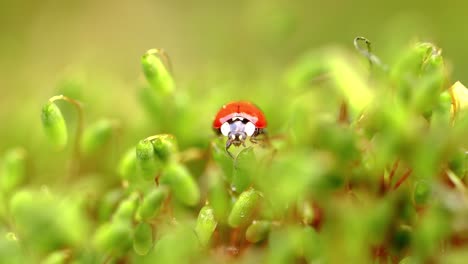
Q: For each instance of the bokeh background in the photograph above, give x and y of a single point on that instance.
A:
(222, 51)
(210, 44)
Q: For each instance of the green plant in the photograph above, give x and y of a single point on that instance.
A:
(366, 164)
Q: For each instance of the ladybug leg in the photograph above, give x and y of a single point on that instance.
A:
(228, 144)
(253, 140)
(260, 137)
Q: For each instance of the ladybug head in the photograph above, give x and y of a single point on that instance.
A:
(237, 129)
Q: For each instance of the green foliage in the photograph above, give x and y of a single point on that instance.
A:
(59, 257)
(44, 220)
(361, 164)
(10, 249)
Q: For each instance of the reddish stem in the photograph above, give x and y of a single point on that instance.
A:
(392, 172)
(343, 115)
(403, 178)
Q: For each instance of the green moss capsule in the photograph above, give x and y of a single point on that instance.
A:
(409, 65)
(419, 76)
(441, 113)
(126, 209)
(165, 147)
(156, 73)
(12, 169)
(152, 203)
(147, 164)
(432, 78)
(243, 208)
(206, 225)
(96, 135)
(127, 165)
(108, 203)
(181, 183)
(54, 125)
(115, 237)
(143, 239)
(257, 231)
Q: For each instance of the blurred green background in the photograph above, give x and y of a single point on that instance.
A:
(91, 51)
(44, 42)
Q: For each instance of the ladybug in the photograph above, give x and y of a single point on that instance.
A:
(239, 120)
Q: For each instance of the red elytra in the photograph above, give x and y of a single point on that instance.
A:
(243, 109)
